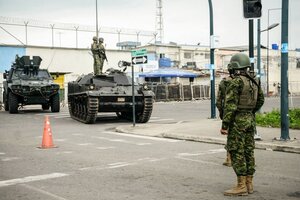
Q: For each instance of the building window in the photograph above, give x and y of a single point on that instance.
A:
(207, 56)
(187, 55)
(298, 63)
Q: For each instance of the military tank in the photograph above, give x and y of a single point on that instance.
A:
(26, 84)
(108, 92)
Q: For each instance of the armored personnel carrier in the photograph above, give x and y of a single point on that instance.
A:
(26, 84)
(109, 92)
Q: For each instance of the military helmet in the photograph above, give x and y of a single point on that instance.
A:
(239, 61)
(101, 39)
(95, 38)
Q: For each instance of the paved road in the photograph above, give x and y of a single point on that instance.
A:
(187, 111)
(93, 162)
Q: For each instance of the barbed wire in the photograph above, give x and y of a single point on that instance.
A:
(71, 26)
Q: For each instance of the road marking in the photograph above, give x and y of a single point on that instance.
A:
(155, 117)
(159, 120)
(117, 163)
(143, 137)
(213, 151)
(198, 161)
(157, 159)
(104, 148)
(43, 192)
(60, 140)
(122, 165)
(113, 140)
(143, 144)
(2, 153)
(85, 144)
(60, 117)
(10, 159)
(118, 140)
(31, 179)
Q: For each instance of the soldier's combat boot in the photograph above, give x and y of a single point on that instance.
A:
(249, 184)
(227, 160)
(240, 189)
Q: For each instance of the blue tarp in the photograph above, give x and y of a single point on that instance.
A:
(168, 73)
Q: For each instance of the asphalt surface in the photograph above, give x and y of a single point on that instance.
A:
(95, 162)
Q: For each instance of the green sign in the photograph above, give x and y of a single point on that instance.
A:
(140, 52)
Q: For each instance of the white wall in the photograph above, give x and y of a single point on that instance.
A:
(76, 61)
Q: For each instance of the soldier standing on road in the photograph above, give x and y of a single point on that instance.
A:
(244, 97)
(102, 54)
(220, 105)
(95, 51)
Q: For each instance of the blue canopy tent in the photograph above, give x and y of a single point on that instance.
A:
(164, 73)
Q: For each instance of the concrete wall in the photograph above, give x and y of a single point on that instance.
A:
(75, 61)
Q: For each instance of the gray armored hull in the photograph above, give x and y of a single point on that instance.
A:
(27, 84)
(90, 94)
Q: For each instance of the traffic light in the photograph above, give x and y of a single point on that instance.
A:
(252, 8)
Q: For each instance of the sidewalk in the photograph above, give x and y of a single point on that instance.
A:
(208, 131)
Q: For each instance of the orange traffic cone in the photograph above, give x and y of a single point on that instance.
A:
(47, 135)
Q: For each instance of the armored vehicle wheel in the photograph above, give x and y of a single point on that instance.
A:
(45, 106)
(145, 115)
(6, 108)
(13, 103)
(55, 106)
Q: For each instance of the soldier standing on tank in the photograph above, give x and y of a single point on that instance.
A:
(95, 51)
(102, 54)
(220, 105)
(244, 97)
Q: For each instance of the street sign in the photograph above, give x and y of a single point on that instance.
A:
(140, 52)
(139, 60)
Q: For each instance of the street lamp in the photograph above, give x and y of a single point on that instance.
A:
(269, 28)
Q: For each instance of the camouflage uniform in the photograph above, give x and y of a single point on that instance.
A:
(220, 105)
(95, 51)
(221, 95)
(102, 55)
(244, 97)
(241, 125)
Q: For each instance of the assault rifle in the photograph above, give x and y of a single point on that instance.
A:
(102, 52)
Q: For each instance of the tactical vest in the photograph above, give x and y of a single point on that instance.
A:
(248, 97)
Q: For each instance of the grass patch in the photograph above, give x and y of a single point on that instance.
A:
(272, 119)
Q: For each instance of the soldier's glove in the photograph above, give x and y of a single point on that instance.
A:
(224, 132)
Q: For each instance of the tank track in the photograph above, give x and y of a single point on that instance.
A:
(145, 115)
(83, 108)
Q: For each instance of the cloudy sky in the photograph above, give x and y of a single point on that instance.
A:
(185, 21)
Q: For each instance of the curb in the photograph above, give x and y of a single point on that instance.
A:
(212, 140)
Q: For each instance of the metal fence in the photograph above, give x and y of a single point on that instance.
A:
(42, 33)
(180, 92)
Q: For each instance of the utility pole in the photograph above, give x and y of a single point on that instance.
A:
(251, 48)
(284, 101)
(97, 18)
(212, 64)
(258, 50)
